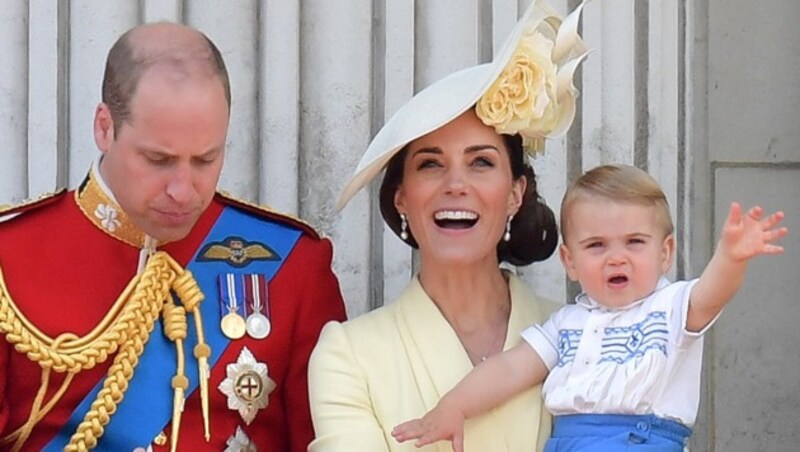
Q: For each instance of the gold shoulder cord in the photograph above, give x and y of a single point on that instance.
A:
(125, 328)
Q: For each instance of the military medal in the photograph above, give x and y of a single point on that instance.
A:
(258, 324)
(232, 324)
(239, 442)
(247, 385)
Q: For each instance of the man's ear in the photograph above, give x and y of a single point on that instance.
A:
(566, 261)
(103, 127)
(667, 252)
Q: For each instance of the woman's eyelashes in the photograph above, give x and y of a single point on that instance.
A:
(476, 162)
(483, 161)
(428, 163)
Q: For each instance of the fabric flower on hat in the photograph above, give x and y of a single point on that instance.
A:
(534, 95)
(526, 88)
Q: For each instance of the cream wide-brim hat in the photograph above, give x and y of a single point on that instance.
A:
(446, 99)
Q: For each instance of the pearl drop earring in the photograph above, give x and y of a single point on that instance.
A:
(403, 227)
(507, 235)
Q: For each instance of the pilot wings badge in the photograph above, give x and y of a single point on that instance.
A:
(237, 251)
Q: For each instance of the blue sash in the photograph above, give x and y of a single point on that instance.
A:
(147, 406)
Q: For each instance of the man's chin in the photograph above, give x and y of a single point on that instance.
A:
(170, 234)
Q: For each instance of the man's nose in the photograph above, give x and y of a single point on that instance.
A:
(180, 187)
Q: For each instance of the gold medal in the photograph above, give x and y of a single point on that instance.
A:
(233, 325)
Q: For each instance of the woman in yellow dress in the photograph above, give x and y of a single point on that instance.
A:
(459, 187)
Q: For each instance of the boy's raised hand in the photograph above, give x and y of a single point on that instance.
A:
(440, 423)
(748, 235)
(743, 236)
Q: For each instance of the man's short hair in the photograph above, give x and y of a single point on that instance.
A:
(127, 62)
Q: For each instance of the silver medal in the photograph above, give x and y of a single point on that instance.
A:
(258, 326)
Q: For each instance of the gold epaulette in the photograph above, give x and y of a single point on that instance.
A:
(266, 211)
(44, 199)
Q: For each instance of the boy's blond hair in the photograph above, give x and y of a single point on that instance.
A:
(618, 183)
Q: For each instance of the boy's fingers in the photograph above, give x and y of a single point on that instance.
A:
(735, 213)
(756, 213)
(776, 234)
(773, 219)
(773, 249)
(425, 439)
(458, 441)
(407, 430)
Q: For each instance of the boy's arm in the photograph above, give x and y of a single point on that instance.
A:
(491, 383)
(743, 237)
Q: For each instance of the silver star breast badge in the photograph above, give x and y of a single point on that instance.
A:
(247, 386)
(239, 442)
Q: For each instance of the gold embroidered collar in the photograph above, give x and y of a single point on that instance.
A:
(99, 205)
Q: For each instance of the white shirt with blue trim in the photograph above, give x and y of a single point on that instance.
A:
(639, 359)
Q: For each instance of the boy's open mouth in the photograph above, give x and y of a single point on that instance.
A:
(618, 279)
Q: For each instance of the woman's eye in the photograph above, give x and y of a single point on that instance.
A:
(483, 161)
(427, 164)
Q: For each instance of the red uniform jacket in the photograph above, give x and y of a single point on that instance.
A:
(64, 272)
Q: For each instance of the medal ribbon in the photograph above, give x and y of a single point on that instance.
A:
(231, 291)
(256, 293)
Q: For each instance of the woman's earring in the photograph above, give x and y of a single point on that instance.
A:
(507, 235)
(403, 227)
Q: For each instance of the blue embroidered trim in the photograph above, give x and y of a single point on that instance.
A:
(568, 341)
(622, 344)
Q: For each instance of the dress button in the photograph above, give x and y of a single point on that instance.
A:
(641, 426)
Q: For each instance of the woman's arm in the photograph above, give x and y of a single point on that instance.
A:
(491, 383)
(341, 407)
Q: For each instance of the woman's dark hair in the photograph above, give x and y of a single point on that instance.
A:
(533, 230)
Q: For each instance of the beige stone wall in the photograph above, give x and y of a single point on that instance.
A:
(703, 93)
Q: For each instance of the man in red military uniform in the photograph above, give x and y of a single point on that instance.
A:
(145, 310)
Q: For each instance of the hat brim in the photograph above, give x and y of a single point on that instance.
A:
(437, 105)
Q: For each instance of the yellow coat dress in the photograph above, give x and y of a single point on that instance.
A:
(394, 363)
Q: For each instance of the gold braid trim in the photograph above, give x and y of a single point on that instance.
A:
(126, 328)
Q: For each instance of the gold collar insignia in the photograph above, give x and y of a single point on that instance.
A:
(99, 206)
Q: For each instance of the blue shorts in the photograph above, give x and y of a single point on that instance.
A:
(616, 432)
